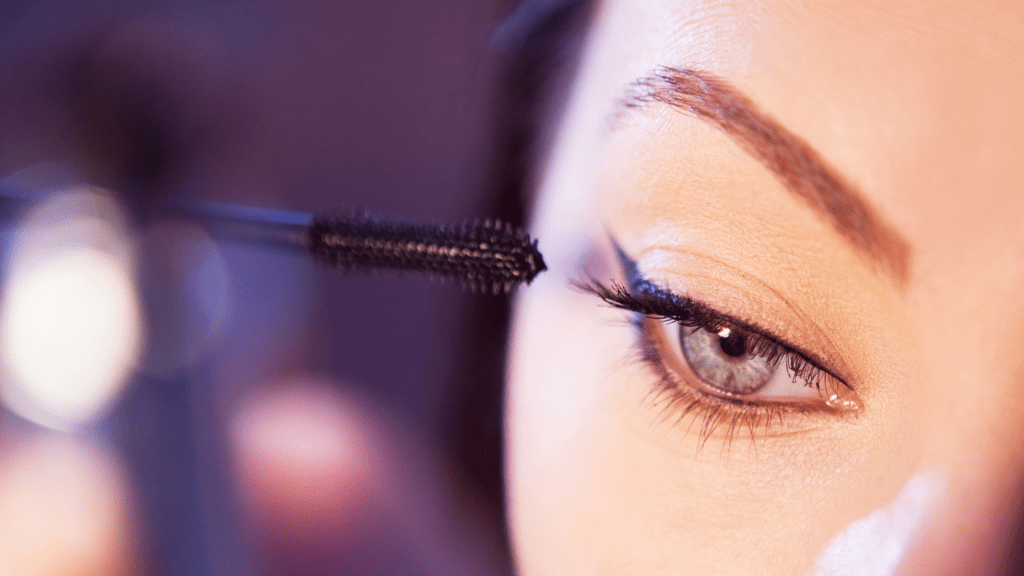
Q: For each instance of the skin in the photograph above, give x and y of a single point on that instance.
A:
(916, 104)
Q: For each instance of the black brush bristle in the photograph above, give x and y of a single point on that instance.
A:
(488, 256)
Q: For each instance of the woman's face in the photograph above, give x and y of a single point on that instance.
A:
(825, 199)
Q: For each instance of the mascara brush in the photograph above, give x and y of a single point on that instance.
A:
(486, 256)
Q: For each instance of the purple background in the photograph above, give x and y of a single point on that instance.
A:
(295, 105)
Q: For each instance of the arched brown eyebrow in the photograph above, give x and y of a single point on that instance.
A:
(798, 166)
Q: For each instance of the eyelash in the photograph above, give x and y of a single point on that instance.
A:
(677, 398)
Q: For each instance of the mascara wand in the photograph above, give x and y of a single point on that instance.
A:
(489, 256)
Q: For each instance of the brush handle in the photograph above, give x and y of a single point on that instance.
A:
(278, 229)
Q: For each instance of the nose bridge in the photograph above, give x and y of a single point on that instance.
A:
(965, 419)
(1013, 561)
(991, 490)
(973, 437)
(969, 531)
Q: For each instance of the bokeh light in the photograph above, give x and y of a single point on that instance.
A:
(190, 297)
(70, 325)
(64, 509)
(306, 455)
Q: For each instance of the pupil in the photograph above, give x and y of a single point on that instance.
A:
(732, 342)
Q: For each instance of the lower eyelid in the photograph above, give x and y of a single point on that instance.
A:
(673, 365)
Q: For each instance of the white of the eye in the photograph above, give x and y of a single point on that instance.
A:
(784, 384)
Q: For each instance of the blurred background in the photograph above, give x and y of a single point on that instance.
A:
(177, 404)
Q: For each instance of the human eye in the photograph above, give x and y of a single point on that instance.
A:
(728, 371)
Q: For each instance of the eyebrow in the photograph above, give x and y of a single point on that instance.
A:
(798, 166)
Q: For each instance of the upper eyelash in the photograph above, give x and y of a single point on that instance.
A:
(736, 414)
(652, 301)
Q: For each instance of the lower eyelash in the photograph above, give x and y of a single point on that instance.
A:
(678, 400)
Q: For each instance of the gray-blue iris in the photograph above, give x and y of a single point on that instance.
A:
(723, 361)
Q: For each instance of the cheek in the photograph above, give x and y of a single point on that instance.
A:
(601, 484)
(596, 485)
(877, 543)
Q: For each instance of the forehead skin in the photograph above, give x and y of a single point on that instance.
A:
(918, 104)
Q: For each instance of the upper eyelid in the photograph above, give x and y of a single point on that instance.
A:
(633, 276)
(637, 282)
